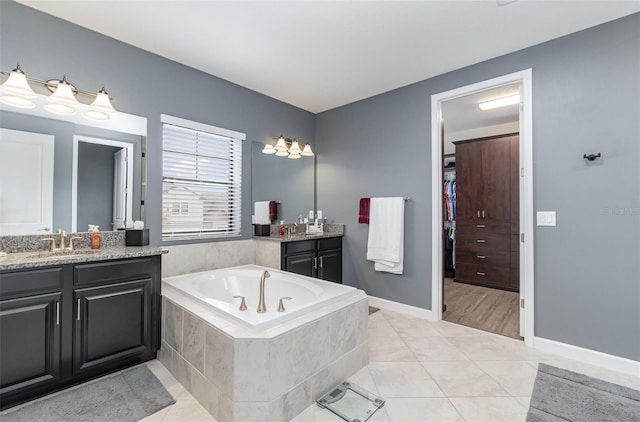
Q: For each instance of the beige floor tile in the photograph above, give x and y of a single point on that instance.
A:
(422, 410)
(490, 409)
(188, 409)
(416, 327)
(380, 327)
(403, 379)
(515, 377)
(389, 349)
(449, 329)
(525, 401)
(363, 379)
(463, 379)
(434, 349)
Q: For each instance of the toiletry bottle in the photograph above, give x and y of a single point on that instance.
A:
(95, 237)
(281, 228)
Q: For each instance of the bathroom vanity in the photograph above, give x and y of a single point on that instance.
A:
(69, 318)
(312, 255)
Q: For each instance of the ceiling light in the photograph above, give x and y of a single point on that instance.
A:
(63, 99)
(500, 102)
(294, 156)
(286, 147)
(16, 90)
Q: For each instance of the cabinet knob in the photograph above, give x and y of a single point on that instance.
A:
(480, 226)
(481, 241)
(481, 257)
(479, 273)
(315, 263)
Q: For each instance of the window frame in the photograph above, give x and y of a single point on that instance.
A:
(233, 228)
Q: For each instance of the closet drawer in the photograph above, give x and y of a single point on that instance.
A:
(481, 241)
(490, 258)
(486, 275)
(482, 226)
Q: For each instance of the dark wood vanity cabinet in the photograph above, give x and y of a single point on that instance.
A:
(75, 322)
(318, 258)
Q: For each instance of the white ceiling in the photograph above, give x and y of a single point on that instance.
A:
(319, 55)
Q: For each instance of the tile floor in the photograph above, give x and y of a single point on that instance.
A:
(427, 371)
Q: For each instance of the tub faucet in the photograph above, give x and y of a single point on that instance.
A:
(262, 308)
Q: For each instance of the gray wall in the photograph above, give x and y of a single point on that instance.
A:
(95, 185)
(586, 94)
(147, 85)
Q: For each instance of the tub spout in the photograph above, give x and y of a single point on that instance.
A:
(262, 308)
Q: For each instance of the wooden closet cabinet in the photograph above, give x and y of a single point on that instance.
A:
(487, 211)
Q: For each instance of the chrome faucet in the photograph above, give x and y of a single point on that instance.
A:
(262, 308)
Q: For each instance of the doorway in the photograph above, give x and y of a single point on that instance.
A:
(102, 178)
(524, 161)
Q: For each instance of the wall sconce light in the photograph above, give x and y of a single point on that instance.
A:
(288, 148)
(16, 91)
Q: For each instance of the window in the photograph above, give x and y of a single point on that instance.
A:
(201, 180)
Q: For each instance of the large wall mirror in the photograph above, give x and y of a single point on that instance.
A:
(66, 172)
(290, 182)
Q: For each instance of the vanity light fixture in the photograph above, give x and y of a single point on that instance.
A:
(16, 91)
(63, 99)
(500, 102)
(288, 148)
(100, 107)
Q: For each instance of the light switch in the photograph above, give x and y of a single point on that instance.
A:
(546, 218)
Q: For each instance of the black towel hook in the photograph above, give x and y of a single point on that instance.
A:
(591, 157)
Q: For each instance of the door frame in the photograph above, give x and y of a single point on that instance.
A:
(74, 174)
(523, 77)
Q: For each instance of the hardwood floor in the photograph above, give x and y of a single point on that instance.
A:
(484, 308)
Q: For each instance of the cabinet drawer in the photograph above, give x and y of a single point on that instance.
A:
(482, 242)
(481, 226)
(24, 282)
(487, 275)
(127, 269)
(485, 258)
(299, 246)
(330, 243)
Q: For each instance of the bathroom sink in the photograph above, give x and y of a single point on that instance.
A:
(64, 254)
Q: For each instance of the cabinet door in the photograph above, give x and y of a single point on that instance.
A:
(496, 179)
(29, 342)
(111, 323)
(303, 264)
(468, 172)
(330, 265)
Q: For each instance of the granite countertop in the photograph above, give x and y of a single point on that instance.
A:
(297, 237)
(32, 259)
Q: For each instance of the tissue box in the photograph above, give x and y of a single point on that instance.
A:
(261, 229)
(133, 237)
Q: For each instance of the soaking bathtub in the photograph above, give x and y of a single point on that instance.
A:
(244, 366)
(217, 288)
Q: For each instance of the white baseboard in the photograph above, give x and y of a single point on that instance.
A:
(401, 308)
(588, 356)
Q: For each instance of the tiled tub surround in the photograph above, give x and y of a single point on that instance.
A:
(240, 374)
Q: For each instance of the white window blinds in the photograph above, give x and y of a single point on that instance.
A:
(201, 180)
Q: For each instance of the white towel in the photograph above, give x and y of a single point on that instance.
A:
(386, 234)
(261, 209)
